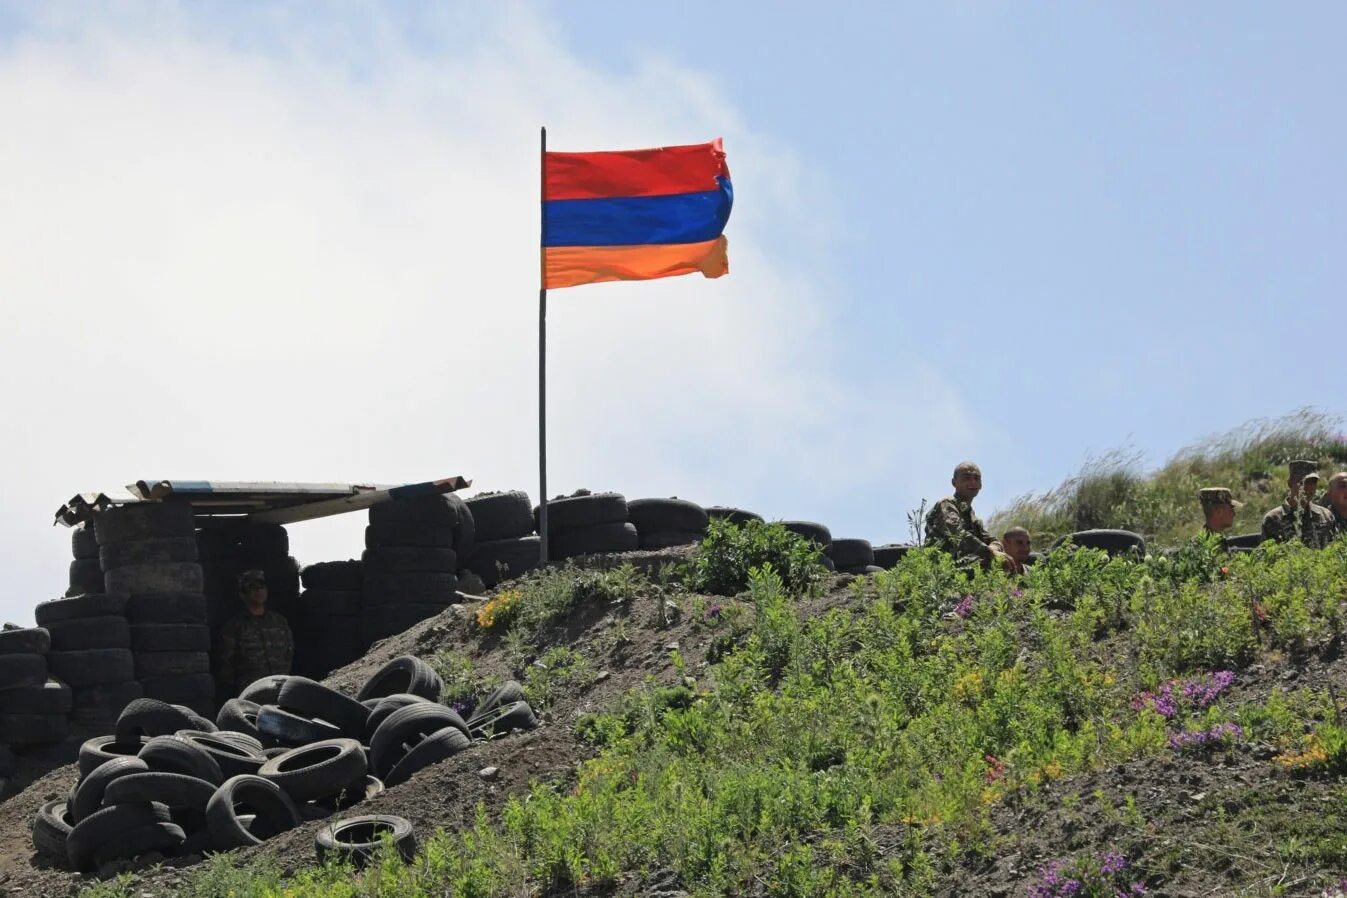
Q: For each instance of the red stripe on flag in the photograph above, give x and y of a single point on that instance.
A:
(656, 172)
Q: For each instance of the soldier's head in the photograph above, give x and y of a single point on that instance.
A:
(1017, 543)
(967, 480)
(1337, 492)
(1303, 480)
(253, 591)
(1219, 507)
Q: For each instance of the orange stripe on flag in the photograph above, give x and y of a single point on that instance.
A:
(570, 266)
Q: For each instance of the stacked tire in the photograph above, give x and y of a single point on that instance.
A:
(90, 657)
(506, 546)
(411, 559)
(34, 708)
(663, 523)
(888, 555)
(148, 552)
(86, 574)
(853, 556)
(816, 533)
(328, 630)
(586, 523)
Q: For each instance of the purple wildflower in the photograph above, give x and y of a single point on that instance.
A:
(965, 606)
(1112, 862)
(713, 611)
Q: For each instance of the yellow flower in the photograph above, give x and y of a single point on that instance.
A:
(968, 686)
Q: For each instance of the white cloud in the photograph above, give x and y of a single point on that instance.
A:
(321, 264)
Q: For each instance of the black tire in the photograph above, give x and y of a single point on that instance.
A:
(170, 638)
(244, 739)
(402, 559)
(656, 515)
(816, 533)
(143, 521)
(597, 539)
(314, 700)
(86, 575)
(34, 729)
(108, 632)
(583, 510)
(888, 556)
(101, 749)
(385, 706)
(504, 719)
(171, 664)
(167, 608)
(52, 697)
(323, 604)
(88, 794)
(734, 515)
(83, 543)
(273, 812)
(1244, 541)
(25, 641)
(847, 553)
(506, 693)
(292, 730)
(404, 729)
(151, 551)
(51, 828)
(92, 667)
(665, 539)
(465, 531)
(174, 791)
(430, 511)
(260, 540)
(500, 516)
(419, 588)
(379, 535)
(503, 559)
(165, 838)
(197, 691)
(151, 717)
(135, 579)
(91, 604)
(175, 754)
(234, 757)
(22, 670)
(333, 575)
(239, 715)
(356, 840)
(266, 690)
(319, 770)
(1114, 542)
(434, 748)
(403, 674)
(100, 828)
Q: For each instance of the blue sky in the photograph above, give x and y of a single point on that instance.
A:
(1018, 234)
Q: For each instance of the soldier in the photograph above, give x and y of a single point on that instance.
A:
(1298, 517)
(1018, 545)
(1336, 501)
(255, 644)
(952, 524)
(1219, 507)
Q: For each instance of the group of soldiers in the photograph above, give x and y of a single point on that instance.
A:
(1304, 516)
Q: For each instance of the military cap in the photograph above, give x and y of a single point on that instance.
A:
(252, 578)
(1304, 469)
(1218, 495)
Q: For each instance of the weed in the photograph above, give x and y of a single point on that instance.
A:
(722, 562)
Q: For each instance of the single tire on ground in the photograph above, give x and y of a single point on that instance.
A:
(272, 811)
(405, 673)
(500, 516)
(142, 521)
(151, 551)
(357, 839)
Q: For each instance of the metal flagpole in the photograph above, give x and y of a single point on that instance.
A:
(542, 355)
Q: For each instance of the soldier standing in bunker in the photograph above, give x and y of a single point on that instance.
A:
(256, 643)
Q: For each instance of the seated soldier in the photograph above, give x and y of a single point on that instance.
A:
(1218, 507)
(952, 524)
(1018, 545)
(1298, 517)
(1335, 499)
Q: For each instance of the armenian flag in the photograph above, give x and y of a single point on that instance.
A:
(633, 215)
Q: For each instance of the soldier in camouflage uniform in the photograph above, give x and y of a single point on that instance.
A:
(952, 524)
(1298, 517)
(1335, 500)
(255, 644)
(1218, 507)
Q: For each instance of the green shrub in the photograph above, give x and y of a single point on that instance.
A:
(721, 564)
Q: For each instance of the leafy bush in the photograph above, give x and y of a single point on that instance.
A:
(721, 564)
(545, 598)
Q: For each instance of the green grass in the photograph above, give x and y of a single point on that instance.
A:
(1115, 491)
(865, 751)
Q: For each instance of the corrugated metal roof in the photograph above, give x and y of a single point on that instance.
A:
(273, 501)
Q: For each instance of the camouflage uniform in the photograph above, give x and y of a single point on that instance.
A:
(1337, 527)
(952, 525)
(252, 647)
(1312, 524)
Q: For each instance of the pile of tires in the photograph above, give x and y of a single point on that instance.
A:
(289, 749)
(90, 656)
(506, 546)
(662, 523)
(148, 553)
(34, 708)
(230, 546)
(586, 523)
(410, 561)
(327, 627)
